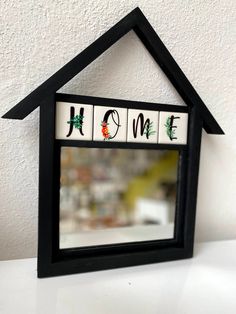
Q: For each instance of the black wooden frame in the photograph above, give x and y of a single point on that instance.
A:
(53, 261)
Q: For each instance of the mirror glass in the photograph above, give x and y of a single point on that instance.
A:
(112, 196)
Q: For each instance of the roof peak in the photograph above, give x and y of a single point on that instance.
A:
(136, 21)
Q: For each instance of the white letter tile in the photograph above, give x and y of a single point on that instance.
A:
(173, 128)
(109, 124)
(142, 126)
(74, 121)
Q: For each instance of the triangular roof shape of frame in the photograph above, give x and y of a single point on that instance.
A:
(137, 22)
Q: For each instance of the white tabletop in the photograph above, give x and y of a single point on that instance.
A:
(204, 284)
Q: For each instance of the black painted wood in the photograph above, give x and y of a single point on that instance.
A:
(120, 103)
(48, 221)
(136, 21)
(69, 265)
(127, 145)
(194, 148)
(53, 261)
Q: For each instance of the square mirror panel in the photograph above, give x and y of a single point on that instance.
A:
(110, 196)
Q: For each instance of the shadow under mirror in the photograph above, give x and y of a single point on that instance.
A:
(112, 196)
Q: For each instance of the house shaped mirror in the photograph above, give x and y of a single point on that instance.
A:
(117, 178)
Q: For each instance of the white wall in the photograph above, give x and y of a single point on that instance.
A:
(39, 37)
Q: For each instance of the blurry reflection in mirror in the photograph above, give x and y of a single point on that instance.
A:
(116, 195)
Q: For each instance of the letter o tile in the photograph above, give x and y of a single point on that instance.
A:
(110, 124)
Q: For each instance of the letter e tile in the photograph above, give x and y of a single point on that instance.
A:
(173, 128)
